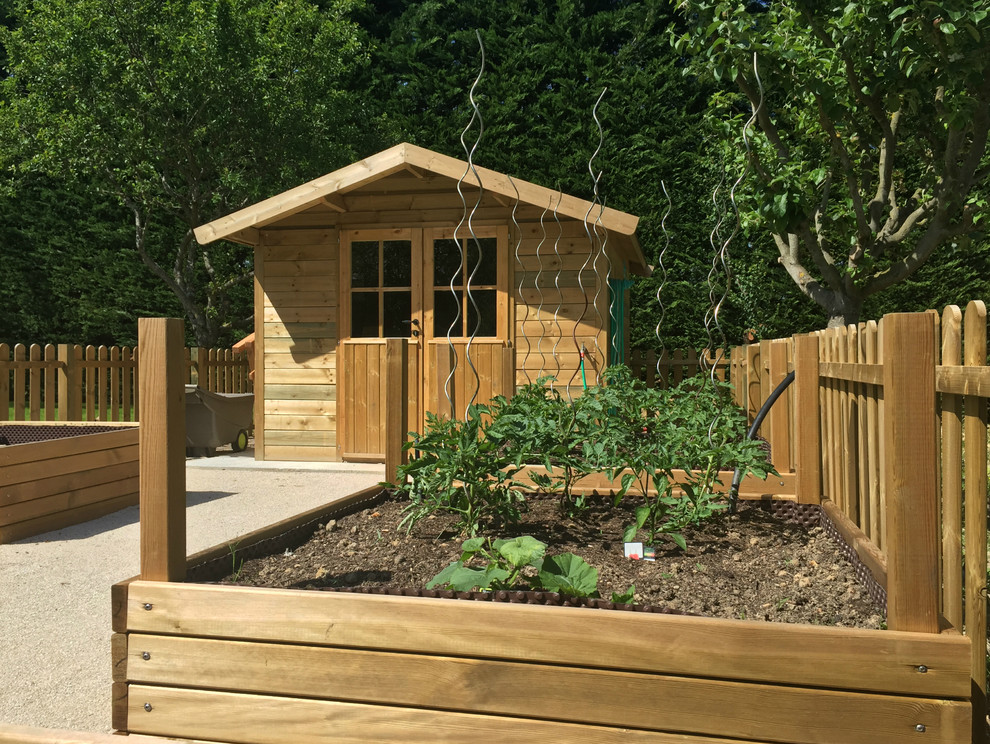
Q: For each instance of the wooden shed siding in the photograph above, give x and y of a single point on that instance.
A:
(303, 311)
(557, 315)
(299, 313)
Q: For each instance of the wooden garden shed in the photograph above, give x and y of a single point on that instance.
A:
(380, 249)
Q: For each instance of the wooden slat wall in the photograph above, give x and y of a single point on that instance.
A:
(299, 280)
(491, 360)
(554, 316)
(256, 665)
(48, 485)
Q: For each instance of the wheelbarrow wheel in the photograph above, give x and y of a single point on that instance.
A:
(241, 443)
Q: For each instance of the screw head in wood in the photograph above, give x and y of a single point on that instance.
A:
(923, 669)
(145, 655)
(147, 707)
(147, 605)
(920, 728)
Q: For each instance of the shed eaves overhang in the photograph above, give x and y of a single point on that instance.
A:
(242, 226)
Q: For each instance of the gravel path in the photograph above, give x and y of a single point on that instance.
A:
(55, 588)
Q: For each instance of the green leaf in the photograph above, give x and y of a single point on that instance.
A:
(521, 551)
(625, 597)
(679, 540)
(569, 574)
(472, 545)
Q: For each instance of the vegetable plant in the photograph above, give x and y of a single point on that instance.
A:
(690, 434)
(461, 470)
(504, 564)
(537, 426)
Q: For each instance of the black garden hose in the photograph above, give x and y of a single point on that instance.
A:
(751, 434)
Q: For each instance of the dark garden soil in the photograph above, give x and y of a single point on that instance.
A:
(751, 565)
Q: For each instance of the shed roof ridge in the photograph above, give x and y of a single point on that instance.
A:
(387, 162)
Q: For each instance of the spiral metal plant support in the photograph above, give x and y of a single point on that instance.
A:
(522, 277)
(663, 277)
(724, 250)
(560, 296)
(602, 235)
(539, 286)
(723, 254)
(715, 241)
(593, 243)
(468, 218)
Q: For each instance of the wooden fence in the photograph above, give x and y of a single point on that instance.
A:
(915, 382)
(668, 368)
(69, 382)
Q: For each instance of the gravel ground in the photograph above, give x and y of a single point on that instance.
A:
(55, 588)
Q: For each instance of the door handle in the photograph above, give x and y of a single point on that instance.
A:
(414, 324)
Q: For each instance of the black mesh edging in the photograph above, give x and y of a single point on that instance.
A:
(21, 434)
(803, 515)
(811, 515)
(512, 597)
(877, 593)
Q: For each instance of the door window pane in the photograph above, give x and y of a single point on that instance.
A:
(398, 307)
(446, 262)
(445, 307)
(397, 264)
(487, 269)
(364, 263)
(485, 300)
(364, 314)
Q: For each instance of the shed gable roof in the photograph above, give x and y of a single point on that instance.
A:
(241, 225)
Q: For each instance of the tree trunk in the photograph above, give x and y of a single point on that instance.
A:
(843, 310)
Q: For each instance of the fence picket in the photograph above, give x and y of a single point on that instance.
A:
(4, 382)
(951, 425)
(975, 458)
(34, 382)
(18, 393)
(48, 372)
(127, 385)
(872, 462)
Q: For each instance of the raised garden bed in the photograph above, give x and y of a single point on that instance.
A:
(53, 475)
(234, 663)
(256, 665)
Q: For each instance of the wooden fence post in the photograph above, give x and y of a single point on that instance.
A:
(162, 449)
(396, 404)
(910, 473)
(69, 384)
(807, 414)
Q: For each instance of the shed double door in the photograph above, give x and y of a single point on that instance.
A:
(413, 283)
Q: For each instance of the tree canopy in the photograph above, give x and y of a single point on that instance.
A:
(869, 150)
(184, 111)
(125, 124)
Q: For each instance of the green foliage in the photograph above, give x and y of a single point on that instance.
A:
(868, 156)
(692, 429)
(545, 66)
(460, 469)
(538, 426)
(184, 112)
(641, 435)
(504, 563)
